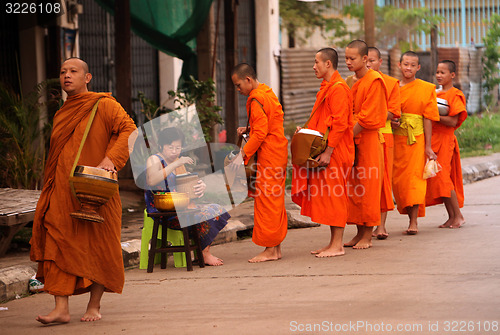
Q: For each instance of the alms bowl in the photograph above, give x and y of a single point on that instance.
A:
(93, 187)
(171, 201)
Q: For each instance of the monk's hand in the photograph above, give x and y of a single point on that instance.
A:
(324, 158)
(395, 123)
(199, 189)
(430, 153)
(237, 162)
(297, 130)
(241, 130)
(107, 165)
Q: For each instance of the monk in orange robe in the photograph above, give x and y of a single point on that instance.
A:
(370, 113)
(77, 256)
(412, 141)
(447, 186)
(268, 141)
(322, 192)
(374, 62)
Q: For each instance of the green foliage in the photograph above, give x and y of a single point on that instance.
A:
(479, 135)
(149, 108)
(491, 60)
(22, 138)
(394, 26)
(297, 15)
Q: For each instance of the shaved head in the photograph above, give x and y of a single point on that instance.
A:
(375, 50)
(450, 64)
(244, 70)
(331, 55)
(360, 45)
(85, 66)
(409, 54)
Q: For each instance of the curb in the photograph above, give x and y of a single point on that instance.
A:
(14, 281)
(476, 172)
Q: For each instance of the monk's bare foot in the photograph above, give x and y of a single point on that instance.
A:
(92, 314)
(279, 251)
(457, 223)
(54, 317)
(315, 252)
(380, 233)
(362, 244)
(353, 242)
(331, 252)
(447, 224)
(269, 254)
(211, 259)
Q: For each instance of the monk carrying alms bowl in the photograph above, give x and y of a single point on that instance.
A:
(93, 187)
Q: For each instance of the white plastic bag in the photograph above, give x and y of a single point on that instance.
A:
(431, 169)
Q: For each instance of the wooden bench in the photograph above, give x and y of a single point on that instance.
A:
(17, 209)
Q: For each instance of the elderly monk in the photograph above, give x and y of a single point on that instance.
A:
(412, 140)
(447, 186)
(374, 62)
(76, 256)
(370, 113)
(268, 141)
(322, 192)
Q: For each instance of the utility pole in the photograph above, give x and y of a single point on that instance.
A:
(369, 8)
(434, 53)
(122, 54)
(231, 39)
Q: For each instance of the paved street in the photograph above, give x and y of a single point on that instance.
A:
(432, 283)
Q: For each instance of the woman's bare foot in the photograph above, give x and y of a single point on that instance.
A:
(211, 259)
(92, 314)
(331, 252)
(54, 317)
(269, 254)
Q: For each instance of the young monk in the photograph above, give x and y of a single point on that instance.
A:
(412, 140)
(321, 192)
(370, 113)
(374, 62)
(75, 256)
(267, 139)
(447, 185)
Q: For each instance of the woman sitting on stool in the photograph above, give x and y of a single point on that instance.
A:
(161, 171)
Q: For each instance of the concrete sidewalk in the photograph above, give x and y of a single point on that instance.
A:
(438, 275)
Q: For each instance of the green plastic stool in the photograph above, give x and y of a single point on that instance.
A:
(173, 236)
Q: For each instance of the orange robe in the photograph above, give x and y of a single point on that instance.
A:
(445, 145)
(419, 98)
(365, 179)
(322, 192)
(267, 139)
(71, 254)
(393, 106)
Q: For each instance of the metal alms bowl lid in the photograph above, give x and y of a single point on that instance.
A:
(95, 173)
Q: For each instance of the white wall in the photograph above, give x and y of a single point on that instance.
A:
(267, 42)
(170, 69)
